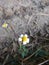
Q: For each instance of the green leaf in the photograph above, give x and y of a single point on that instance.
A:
(23, 54)
(23, 51)
(0, 63)
(41, 53)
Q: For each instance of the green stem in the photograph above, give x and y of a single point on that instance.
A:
(20, 45)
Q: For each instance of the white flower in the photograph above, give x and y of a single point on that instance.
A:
(24, 39)
(20, 39)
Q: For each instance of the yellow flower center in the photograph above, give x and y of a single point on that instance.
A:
(5, 25)
(24, 38)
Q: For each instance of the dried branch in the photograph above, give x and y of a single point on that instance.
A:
(44, 62)
(6, 59)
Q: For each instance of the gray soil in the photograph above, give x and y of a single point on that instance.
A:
(24, 15)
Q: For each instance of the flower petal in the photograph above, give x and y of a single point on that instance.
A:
(28, 40)
(21, 35)
(26, 35)
(20, 39)
(24, 43)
